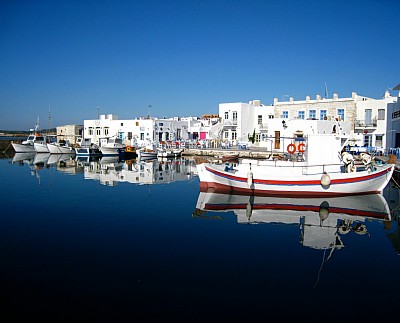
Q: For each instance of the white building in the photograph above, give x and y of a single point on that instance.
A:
(370, 126)
(393, 122)
(142, 131)
(367, 116)
(240, 121)
(135, 131)
(69, 133)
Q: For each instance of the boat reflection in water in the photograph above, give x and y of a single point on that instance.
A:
(110, 170)
(322, 221)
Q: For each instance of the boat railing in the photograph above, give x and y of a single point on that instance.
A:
(306, 168)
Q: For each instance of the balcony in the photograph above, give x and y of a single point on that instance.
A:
(263, 127)
(365, 124)
(229, 123)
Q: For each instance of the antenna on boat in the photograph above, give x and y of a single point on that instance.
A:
(37, 124)
(49, 118)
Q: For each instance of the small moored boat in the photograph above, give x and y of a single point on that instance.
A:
(60, 147)
(322, 170)
(87, 148)
(111, 146)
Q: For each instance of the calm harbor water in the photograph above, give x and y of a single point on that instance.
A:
(102, 239)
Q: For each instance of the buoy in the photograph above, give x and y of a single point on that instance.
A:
(325, 180)
(291, 148)
(250, 177)
(324, 210)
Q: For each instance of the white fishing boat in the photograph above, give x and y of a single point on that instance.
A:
(165, 153)
(111, 146)
(322, 170)
(60, 147)
(86, 148)
(147, 152)
(28, 145)
(169, 152)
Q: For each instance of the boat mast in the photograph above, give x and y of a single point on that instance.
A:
(37, 125)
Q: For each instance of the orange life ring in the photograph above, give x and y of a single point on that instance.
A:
(291, 148)
(302, 148)
(128, 148)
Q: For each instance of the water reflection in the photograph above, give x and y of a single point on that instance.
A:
(322, 221)
(111, 170)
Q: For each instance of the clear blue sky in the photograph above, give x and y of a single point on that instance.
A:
(185, 57)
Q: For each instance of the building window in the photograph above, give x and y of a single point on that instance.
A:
(129, 135)
(137, 123)
(106, 131)
(90, 131)
(368, 117)
(322, 115)
(312, 114)
(378, 141)
(367, 140)
(226, 116)
(226, 134)
(301, 114)
(234, 113)
(258, 137)
(161, 124)
(285, 114)
(340, 113)
(122, 124)
(381, 114)
(260, 119)
(271, 116)
(142, 136)
(234, 135)
(98, 131)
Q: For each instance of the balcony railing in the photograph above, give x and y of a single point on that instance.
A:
(227, 122)
(263, 126)
(366, 123)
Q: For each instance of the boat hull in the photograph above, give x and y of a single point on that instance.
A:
(292, 181)
(110, 151)
(147, 154)
(41, 147)
(87, 151)
(57, 149)
(23, 148)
